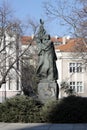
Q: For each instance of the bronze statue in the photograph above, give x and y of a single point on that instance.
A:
(46, 69)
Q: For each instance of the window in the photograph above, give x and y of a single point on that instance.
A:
(75, 67)
(77, 86)
(72, 85)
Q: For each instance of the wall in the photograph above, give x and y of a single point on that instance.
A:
(63, 60)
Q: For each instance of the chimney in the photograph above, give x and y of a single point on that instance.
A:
(64, 40)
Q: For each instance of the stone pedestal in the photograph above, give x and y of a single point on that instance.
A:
(48, 91)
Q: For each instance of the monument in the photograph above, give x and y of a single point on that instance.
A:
(46, 70)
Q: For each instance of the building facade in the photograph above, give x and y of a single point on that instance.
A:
(72, 66)
(10, 66)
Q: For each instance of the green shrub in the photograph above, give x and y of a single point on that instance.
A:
(71, 109)
(20, 109)
(46, 111)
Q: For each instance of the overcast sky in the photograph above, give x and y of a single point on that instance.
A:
(34, 10)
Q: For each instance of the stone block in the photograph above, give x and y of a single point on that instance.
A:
(47, 91)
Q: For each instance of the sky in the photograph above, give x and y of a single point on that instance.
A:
(34, 9)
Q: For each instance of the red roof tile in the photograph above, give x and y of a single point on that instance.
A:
(73, 45)
(28, 39)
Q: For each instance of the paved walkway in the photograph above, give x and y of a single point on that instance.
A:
(41, 126)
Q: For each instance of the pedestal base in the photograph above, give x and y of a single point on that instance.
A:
(48, 91)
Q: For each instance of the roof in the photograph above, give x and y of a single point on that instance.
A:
(73, 45)
(28, 39)
(25, 40)
(67, 45)
(54, 39)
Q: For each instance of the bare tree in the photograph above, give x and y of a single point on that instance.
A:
(70, 13)
(13, 63)
(74, 15)
(29, 59)
(33, 25)
(10, 31)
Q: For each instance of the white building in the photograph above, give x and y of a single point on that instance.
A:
(10, 51)
(72, 66)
